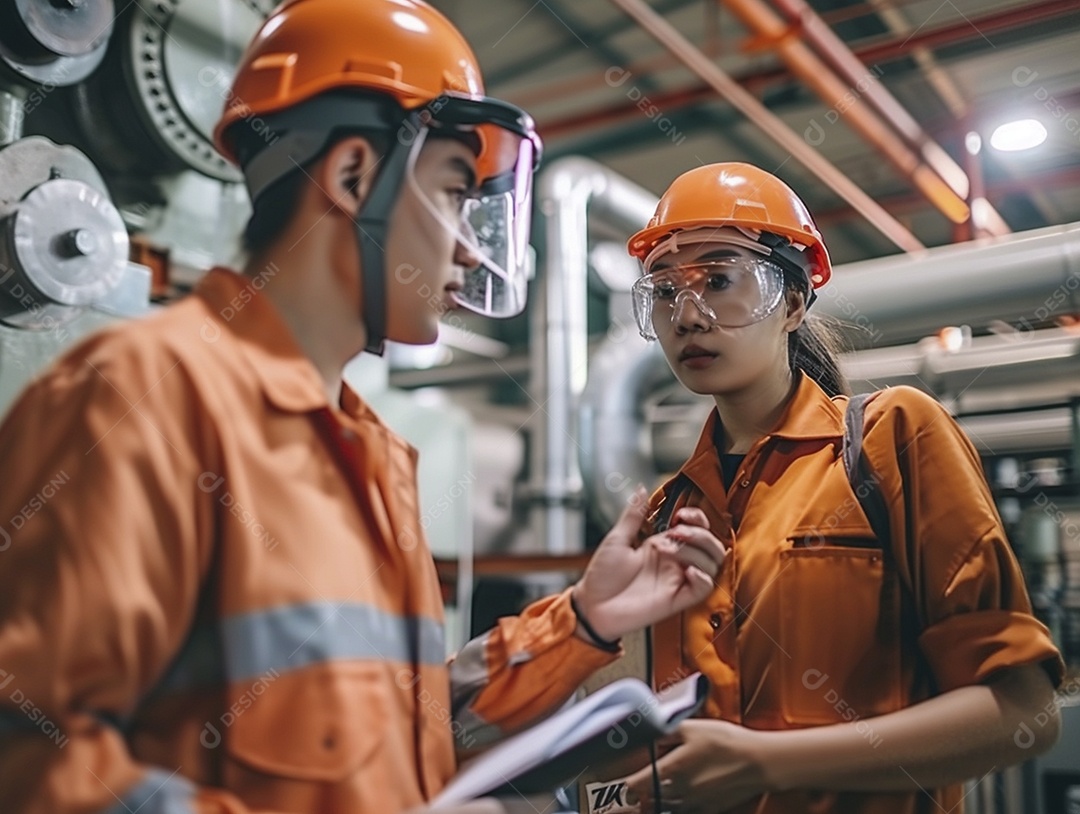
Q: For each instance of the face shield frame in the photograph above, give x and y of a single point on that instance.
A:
(496, 216)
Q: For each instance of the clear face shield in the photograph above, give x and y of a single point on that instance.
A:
(495, 215)
(730, 292)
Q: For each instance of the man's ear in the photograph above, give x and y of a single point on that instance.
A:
(796, 309)
(346, 173)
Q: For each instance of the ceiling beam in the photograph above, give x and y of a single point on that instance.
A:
(874, 54)
(528, 64)
(909, 203)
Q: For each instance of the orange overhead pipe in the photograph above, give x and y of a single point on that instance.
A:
(772, 125)
(837, 53)
(847, 102)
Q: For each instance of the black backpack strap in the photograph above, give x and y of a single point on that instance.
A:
(864, 483)
(662, 518)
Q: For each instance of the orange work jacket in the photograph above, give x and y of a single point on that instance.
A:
(215, 593)
(810, 624)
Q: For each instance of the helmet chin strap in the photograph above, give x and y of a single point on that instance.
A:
(372, 224)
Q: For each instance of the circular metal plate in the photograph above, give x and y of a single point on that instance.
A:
(69, 242)
(68, 28)
(184, 55)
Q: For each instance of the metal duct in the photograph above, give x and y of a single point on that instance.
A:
(570, 191)
(1035, 376)
(1026, 278)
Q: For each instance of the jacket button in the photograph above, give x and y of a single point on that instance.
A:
(744, 482)
(714, 621)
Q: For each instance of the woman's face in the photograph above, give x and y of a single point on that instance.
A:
(708, 358)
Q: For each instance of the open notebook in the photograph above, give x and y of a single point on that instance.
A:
(621, 716)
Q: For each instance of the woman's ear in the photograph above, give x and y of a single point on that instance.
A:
(346, 172)
(796, 309)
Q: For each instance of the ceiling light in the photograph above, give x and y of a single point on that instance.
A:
(1019, 135)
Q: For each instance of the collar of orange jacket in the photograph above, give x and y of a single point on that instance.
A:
(810, 414)
(289, 379)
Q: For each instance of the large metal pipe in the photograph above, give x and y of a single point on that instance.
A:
(770, 124)
(570, 191)
(1027, 278)
(987, 384)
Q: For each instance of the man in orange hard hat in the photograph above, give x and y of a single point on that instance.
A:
(214, 590)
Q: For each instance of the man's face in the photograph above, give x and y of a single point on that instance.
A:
(424, 260)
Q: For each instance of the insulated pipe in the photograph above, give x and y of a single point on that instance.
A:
(570, 190)
(1027, 278)
(770, 124)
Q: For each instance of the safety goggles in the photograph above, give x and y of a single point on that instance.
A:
(495, 217)
(729, 293)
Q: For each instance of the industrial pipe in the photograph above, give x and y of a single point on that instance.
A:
(770, 124)
(835, 51)
(1027, 277)
(570, 190)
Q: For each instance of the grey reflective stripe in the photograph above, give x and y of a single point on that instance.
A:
(295, 636)
(159, 792)
(469, 673)
(475, 731)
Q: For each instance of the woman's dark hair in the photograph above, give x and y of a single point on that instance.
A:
(814, 348)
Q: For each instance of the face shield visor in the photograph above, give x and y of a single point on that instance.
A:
(492, 219)
(730, 292)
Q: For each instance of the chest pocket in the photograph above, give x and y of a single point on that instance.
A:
(839, 628)
(316, 724)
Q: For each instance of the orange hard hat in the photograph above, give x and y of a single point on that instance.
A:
(739, 195)
(404, 49)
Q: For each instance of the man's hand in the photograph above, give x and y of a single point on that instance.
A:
(628, 586)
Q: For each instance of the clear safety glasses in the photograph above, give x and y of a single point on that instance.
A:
(495, 216)
(730, 293)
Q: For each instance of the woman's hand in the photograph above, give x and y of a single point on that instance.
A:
(629, 586)
(714, 766)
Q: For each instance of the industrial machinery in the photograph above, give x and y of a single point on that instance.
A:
(105, 143)
(64, 250)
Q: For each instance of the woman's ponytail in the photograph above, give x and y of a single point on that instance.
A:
(814, 348)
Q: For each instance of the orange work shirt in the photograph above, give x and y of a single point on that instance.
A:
(215, 592)
(809, 624)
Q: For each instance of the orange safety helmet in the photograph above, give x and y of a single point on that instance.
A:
(404, 49)
(739, 195)
(318, 67)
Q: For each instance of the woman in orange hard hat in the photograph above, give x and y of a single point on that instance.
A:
(215, 594)
(851, 671)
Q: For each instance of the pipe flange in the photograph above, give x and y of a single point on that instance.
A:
(172, 97)
(66, 247)
(55, 42)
